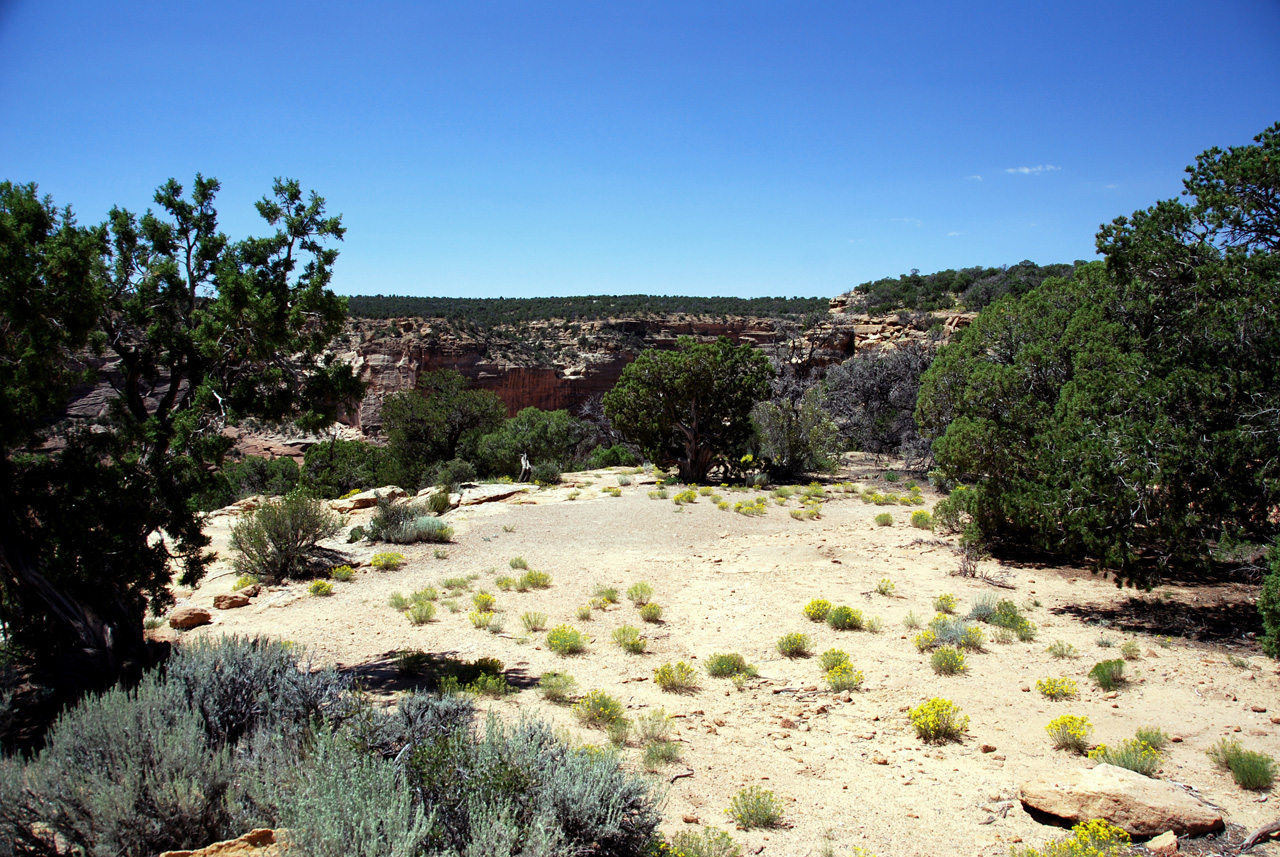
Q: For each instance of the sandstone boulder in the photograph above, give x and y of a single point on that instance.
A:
(255, 843)
(1140, 805)
(231, 601)
(190, 617)
(367, 499)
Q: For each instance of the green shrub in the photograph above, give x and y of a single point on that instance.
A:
(243, 581)
(342, 573)
(1269, 603)
(938, 721)
(534, 621)
(678, 677)
(833, 658)
(629, 639)
(1062, 650)
(279, 539)
(438, 502)
(710, 842)
(1250, 769)
(608, 594)
(845, 619)
(947, 660)
(518, 563)
(1056, 688)
(843, 677)
(533, 579)
(583, 612)
(323, 588)
(921, 520)
(481, 619)
(556, 686)
(656, 754)
(1070, 732)
(1007, 615)
(406, 523)
(755, 807)
(566, 640)
(422, 612)
(1108, 674)
(946, 603)
(653, 725)
(651, 612)
(946, 630)
(1096, 838)
(1132, 754)
(1154, 737)
(599, 710)
(505, 582)
(545, 473)
(728, 664)
(885, 586)
(911, 621)
(455, 584)
(1130, 650)
(884, 519)
(483, 601)
(387, 561)
(795, 645)
(639, 593)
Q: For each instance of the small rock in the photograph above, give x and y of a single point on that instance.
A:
(1025, 688)
(1111, 695)
(190, 617)
(879, 760)
(787, 723)
(1275, 718)
(691, 819)
(230, 602)
(813, 687)
(999, 757)
(1260, 709)
(1164, 844)
(988, 748)
(253, 590)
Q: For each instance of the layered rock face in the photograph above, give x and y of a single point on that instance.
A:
(558, 364)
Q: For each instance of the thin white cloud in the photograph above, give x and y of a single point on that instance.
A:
(1031, 171)
(911, 221)
(974, 178)
(952, 234)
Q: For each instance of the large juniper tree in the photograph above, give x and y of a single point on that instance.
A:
(192, 331)
(1131, 414)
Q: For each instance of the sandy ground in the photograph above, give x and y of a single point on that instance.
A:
(848, 766)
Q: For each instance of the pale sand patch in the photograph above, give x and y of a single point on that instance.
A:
(732, 583)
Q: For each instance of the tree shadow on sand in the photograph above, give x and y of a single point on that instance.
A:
(407, 670)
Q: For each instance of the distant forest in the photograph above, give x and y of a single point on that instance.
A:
(496, 311)
(969, 288)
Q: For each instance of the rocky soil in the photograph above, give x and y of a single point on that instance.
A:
(848, 766)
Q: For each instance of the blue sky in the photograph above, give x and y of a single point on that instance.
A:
(729, 148)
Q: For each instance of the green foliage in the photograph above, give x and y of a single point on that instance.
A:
(1131, 754)
(556, 686)
(842, 678)
(678, 677)
(1006, 614)
(885, 586)
(483, 600)
(1130, 650)
(278, 540)
(599, 710)
(628, 638)
(1269, 603)
(387, 561)
(534, 621)
(656, 754)
(1097, 416)
(794, 432)
(795, 645)
(342, 573)
(1063, 650)
(406, 523)
(727, 665)
(947, 660)
(608, 594)
(938, 721)
(552, 440)
(1070, 732)
(338, 467)
(490, 312)
(566, 640)
(884, 519)
(709, 842)
(251, 475)
(1096, 838)
(320, 587)
(921, 520)
(692, 405)
(639, 593)
(1056, 688)
(832, 658)
(872, 396)
(651, 612)
(1251, 770)
(518, 563)
(844, 618)
(946, 630)
(817, 610)
(428, 425)
(972, 288)
(1108, 674)
(755, 807)
(946, 603)
(1155, 738)
(421, 612)
(243, 581)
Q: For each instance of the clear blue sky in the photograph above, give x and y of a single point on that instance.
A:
(729, 148)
